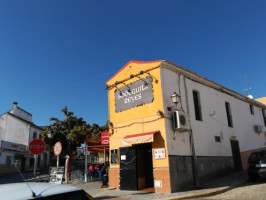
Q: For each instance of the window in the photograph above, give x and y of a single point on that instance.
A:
(251, 109)
(229, 115)
(34, 135)
(8, 161)
(264, 116)
(197, 106)
(40, 136)
(217, 138)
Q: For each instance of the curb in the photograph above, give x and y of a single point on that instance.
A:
(206, 194)
(37, 178)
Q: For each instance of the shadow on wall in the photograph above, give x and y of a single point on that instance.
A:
(159, 142)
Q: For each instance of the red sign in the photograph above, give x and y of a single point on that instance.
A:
(36, 146)
(57, 148)
(104, 137)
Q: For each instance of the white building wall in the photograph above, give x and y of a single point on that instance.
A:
(204, 131)
(16, 131)
(32, 131)
(2, 127)
(216, 125)
(177, 143)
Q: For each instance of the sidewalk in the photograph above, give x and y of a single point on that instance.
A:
(212, 188)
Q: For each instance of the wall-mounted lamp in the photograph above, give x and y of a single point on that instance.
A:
(131, 76)
(160, 113)
(129, 90)
(111, 128)
(120, 93)
(156, 81)
(141, 72)
(175, 99)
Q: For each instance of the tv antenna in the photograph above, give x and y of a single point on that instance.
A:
(248, 88)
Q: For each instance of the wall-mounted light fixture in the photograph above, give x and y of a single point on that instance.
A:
(129, 90)
(175, 99)
(111, 128)
(160, 113)
(120, 93)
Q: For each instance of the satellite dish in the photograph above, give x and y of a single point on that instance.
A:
(250, 96)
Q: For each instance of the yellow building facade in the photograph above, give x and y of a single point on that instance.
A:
(138, 125)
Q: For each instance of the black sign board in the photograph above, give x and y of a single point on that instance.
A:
(114, 156)
(134, 94)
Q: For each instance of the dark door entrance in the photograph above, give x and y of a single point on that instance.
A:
(128, 168)
(236, 155)
(144, 166)
(136, 168)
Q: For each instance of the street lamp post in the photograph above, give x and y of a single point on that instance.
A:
(49, 135)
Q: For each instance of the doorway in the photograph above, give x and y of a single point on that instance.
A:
(136, 167)
(128, 168)
(144, 166)
(236, 154)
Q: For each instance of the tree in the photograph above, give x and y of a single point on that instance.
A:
(71, 132)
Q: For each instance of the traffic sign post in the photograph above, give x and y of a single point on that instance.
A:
(36, 147)
(57, 152)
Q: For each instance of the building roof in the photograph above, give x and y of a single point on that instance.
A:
(261, 100)
(24, 111)
(201, 79)
(25, 121)
(192, 76)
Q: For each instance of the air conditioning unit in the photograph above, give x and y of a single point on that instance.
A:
(258, 129)
(180, 121)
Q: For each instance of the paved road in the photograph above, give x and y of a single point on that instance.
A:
(247, 191)
(14, 178)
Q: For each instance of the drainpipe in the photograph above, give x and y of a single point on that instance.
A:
(194, 156)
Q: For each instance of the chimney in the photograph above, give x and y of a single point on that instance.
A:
(15, 105)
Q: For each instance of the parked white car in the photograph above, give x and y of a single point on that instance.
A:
(41, 191)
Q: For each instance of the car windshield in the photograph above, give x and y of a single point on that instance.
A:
(76, 195)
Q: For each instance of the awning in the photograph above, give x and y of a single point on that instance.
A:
(139, 138)
(97, 147)
(95, 144)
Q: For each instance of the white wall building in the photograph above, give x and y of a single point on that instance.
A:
(16, 132)
(224, 126)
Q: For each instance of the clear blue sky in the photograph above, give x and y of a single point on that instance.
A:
(56, 53)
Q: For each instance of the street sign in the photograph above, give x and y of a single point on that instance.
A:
(57, 148)
(36, 146)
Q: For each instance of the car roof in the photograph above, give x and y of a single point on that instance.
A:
(21, 191)
(260, 151)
